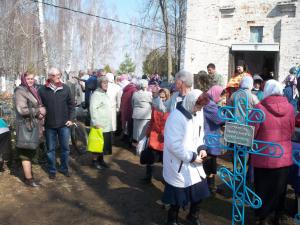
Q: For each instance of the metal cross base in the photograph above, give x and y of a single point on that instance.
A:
(242, 195)
(296, 159)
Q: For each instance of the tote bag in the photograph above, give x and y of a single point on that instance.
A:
(95, 140)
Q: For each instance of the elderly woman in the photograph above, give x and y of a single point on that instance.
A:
(141, 106)
(183, 83)
(184, 153)
(212, 125)
(28, 105)
(101, 117)
(272, 173)
(245, 85)
(155, 133)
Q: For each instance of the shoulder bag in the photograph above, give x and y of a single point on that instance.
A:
(28, 131)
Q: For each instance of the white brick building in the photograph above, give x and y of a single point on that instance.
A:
(263, 33)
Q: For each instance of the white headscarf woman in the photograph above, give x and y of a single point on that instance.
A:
(273, 87)
(182, 165)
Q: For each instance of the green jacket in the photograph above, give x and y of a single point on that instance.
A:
(100, 110)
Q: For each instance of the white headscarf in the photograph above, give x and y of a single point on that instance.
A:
(247, 83)
(143, 84)
(273, 87)
(110, 77)
(191, 99)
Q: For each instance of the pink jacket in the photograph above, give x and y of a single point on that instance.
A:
(278, 127)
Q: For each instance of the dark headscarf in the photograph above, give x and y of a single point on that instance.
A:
(32, 89)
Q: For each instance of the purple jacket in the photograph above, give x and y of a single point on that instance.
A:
(212, 123)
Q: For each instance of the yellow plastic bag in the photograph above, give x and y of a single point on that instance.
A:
(95, 141)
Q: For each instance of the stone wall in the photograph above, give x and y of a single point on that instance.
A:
(227, 22)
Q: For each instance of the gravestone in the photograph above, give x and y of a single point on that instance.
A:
(238, 138)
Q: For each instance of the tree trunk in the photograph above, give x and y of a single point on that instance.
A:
(163, 7)
(70, 52)
(42, 37)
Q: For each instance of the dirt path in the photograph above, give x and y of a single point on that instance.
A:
(88, 197)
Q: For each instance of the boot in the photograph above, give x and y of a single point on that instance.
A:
(101, 161)
(96, 165)
(211, 185)
(1, 166)
(193, 216)
(173, 215)
(148, 177)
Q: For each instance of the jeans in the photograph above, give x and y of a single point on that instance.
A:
(63, 136)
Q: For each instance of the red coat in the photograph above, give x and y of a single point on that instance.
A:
(156, 128)
(126, 105)
(278, 127)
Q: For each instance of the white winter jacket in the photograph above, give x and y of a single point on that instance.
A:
(182, 137)
(114, 92)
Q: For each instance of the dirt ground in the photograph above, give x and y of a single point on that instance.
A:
(112, 197)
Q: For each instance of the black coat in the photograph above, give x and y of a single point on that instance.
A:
(59, 106)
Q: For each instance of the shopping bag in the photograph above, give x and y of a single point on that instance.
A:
(141, 146)
(95, 140)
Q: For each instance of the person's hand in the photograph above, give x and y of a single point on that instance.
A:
(42, 111)
(69, 123)
(198, 160)
(202, 154)
(155, 91)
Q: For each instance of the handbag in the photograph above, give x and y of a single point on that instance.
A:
(141, 145)
(28, 131)
(297, 120)
(95, 140)
(147, 155)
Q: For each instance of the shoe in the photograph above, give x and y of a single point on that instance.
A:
(31, 183)
(193, 220)
(146, 180)
(65, 173)
(104, 164)
(52, 176)
(97, 166)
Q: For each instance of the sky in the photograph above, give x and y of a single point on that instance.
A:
(127, 11)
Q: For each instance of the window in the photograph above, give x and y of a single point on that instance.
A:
(256, 34)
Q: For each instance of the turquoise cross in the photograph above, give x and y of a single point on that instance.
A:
(241, 114)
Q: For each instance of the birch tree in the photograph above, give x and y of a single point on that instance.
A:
(42, 37)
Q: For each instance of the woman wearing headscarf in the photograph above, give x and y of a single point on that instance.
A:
(245, 85)
(290, 91)
(272, 173)
(184, 152)
(28, 104)
(101, 117)
(257, 87)
(141, 106)
(212, 125)
(155, 133)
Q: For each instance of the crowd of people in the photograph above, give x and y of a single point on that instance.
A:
(174, 121)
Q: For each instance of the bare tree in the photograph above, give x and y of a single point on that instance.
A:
(42, 36)
(164, 11)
